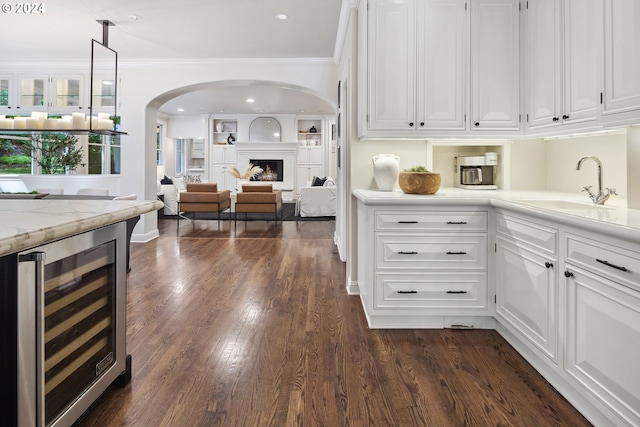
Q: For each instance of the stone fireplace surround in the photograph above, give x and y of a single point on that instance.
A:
(285, 151)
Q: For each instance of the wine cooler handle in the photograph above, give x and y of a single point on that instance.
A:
(38, 258)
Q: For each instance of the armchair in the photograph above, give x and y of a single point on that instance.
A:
(258, 198)
(203, 197)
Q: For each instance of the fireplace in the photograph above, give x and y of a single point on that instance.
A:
(272, 170)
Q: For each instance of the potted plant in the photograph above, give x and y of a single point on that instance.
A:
(418, 180)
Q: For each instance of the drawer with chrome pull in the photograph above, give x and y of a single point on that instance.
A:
(616, 263)
(431, 290)
(431, 251)
(432, 221)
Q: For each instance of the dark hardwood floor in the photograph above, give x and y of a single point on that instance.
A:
(256, 329)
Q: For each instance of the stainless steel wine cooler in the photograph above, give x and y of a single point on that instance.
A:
(70, 325)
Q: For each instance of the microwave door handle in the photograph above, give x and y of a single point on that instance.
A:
(480, 175)
(38, 258)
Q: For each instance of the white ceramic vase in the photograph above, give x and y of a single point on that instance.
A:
(219, 127)
(385, 171)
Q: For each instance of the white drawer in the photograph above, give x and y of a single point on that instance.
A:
(431, 290)
(459, 252)
(520, 230)
(615, 263)
(432, 221)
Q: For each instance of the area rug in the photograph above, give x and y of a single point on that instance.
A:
(288, 214)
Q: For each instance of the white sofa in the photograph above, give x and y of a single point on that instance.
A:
(316, 201)
(171, 193)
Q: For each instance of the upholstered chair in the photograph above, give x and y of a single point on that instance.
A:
(258, 198)
(203, 197)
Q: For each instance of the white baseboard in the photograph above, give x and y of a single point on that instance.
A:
(144, 238)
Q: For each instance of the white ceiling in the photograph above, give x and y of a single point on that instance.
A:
(181, 30)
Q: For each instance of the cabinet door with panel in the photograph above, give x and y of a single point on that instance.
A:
(7, 93)
(527, 281)
(495, 82)
(441, 60)
(603, 341)
(391, 56)
(621, 56)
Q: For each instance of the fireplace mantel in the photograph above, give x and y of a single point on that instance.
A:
(285, 151)
(266, 145)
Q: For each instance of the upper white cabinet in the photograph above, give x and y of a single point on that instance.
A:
(416, 54)
(21, 94)
(621, 56)
(495, 82)
(562, 61)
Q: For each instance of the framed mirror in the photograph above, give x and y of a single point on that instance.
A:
(264, 129)
(104, 78)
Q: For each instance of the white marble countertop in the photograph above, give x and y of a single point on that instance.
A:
(572, 209)
(28, 223)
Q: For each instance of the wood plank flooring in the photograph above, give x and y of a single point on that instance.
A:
(255, 328)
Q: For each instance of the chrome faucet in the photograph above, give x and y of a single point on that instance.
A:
(600, 197)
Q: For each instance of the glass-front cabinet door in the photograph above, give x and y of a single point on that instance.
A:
(104, 93)
(32, 92)
(6, 95)
(68, 93)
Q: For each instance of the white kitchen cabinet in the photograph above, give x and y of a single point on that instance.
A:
(495, 82)
(309, 164)
(562, 61)
(422, 268)
(603, 323)
(7, 93)
(223, 158)
(20, 93)
(527, 281)
(416, 53)
(197, 149)
(621, 56)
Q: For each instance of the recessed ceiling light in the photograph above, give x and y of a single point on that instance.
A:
(180, 110)
(281, 16)
(135, 17)
(250, 100)
(221, 110)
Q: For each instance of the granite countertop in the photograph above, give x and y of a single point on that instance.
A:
(614, 218)
(28, 223)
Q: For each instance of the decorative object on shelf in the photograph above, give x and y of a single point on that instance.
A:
(313, 130)
(385, 171)
(313, 140)
(220, 127)
(418, 180)
(231, 139)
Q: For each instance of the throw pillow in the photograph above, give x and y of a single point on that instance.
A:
(318, 182)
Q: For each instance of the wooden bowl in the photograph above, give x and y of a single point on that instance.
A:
(419, 182)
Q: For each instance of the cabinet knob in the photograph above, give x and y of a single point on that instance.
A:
(421, 123)
(568, 274)
(411, 124)
(548, 264)
(555, 119)
(476, 124)
(565, 117)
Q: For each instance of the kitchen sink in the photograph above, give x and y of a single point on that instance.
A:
(563, 205)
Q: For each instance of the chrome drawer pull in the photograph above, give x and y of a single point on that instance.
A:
(408, 253)
(456, 222)
(456, 292)
(608, 264)
(407, 222)
(407, 292)
(456, 253)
